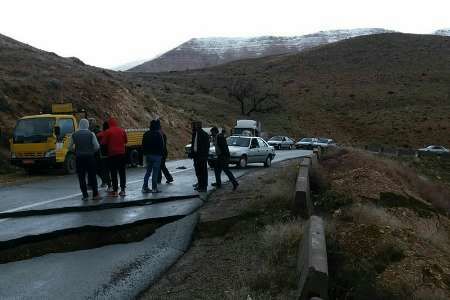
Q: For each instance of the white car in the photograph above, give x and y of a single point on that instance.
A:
(246, 150)
(433, 149)
(281, 142)
(310, 143)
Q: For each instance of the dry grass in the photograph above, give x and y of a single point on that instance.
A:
(373, 215)
(281, 239)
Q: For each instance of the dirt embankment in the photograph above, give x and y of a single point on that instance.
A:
(388, 229)
(245, 246)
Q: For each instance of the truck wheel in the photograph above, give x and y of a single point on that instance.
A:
(70, 166)
(133, 157)
(268, 161)
(242, 162)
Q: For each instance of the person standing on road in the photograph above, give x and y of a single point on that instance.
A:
(163, 169)
(86, 145)
(115, 140)
(153, 150)
(199, 152)
(223, 158)
(103, 169)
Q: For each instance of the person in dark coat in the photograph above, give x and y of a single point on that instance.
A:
(103, 168)
(153, 150)
(199, 153)
(223, 158)
(163, 169)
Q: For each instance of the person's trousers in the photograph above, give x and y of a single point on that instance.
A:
(86, 164)
(153, 166)
(201, 170)
(164, 171)
(222, 165)
(104, 171)
(117, 164)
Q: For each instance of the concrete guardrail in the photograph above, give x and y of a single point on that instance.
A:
(312, 259)
(302, 201)
(312, 263)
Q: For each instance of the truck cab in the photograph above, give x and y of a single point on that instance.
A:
(247, 128)
(42, 141)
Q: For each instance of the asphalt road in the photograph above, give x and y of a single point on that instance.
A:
(63, 188)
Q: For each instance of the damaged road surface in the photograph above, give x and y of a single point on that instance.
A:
(53, 245)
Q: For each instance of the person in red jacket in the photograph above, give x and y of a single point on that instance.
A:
(115, 140)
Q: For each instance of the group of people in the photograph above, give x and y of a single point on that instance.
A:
(103, 152)
(100, 153)
(200, 153)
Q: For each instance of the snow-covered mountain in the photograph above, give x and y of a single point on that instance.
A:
(445, 32)
(206, 52)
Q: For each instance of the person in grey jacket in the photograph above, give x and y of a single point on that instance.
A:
(86, 146)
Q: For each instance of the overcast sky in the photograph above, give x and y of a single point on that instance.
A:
(108, 33)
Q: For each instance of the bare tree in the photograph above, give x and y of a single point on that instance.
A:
(250, 98)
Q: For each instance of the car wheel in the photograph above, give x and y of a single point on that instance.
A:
(242, 162)
(268, 161)
(70, 166)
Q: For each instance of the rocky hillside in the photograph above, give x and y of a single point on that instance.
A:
(389, 88)
(206, 52)
(32, 79)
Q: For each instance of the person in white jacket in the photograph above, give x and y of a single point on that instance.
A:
(86, 145)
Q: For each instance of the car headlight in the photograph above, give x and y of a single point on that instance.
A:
(51, 153)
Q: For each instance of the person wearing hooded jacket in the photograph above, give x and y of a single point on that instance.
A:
(163, 168)
(115, 140)
(153, 150)
(86, 147)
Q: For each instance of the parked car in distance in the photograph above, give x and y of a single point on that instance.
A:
(311, 143)
(433, 150)
(246, 150)
(324, 143)
(281, 142)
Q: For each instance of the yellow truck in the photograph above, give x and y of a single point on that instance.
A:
(42, 141)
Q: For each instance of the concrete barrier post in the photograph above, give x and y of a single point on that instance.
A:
(313, 265)
(302, 200)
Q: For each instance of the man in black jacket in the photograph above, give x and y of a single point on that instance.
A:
(153, 148)
(199, 152)
(163, 169)
(223, 158)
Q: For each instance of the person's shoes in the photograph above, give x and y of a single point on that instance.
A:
(103, 185)
(146, 190)
(235, 186)
(85, 198)
(202, 190)
(216, 185)
(113, 194)
(155, 191)
(195, 185)
(96, 197)
(122, 193)
(109, 189)
(169, 180)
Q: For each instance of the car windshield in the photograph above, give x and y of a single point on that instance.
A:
(306, 140)
(238, 141)
(32, 128)
(276, 138)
